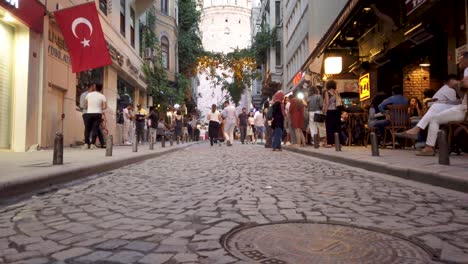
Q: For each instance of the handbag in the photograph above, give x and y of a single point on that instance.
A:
(319, 118)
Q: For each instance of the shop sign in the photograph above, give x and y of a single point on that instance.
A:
(297, 78)
(57, 47)
(411, 5)
(133, 69)
(29, 12)
(13, 3)
(364, 87)
(115, 55)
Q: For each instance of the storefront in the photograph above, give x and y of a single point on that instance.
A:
(21, 27)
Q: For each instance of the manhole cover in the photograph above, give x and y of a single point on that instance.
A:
(320, 243)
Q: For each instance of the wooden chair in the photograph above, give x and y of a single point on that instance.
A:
(355, 120)
(399, 121)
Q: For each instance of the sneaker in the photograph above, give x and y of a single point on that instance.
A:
(92, 146)
(85, 146)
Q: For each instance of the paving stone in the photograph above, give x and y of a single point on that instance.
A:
(33, 261)
(156, 258)
(185, 257)
(71, 253)
(140, 246)
(112, 244)
(95, 256)
(126, 256)
(22, 256)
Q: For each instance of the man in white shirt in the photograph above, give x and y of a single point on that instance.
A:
(82, 101)
(259, 123)
(128, 117)
(230, 120)
(95, 103)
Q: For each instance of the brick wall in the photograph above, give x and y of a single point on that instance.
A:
(415, 80)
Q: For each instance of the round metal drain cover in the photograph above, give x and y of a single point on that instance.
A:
(320, 243)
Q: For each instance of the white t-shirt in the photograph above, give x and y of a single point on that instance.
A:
(445, 93)
(125, 113)
(95, 100)
(213, 116)
(229, 113)
(258, 119)
(82, 100)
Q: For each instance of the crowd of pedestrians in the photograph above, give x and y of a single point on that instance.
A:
(295, 119)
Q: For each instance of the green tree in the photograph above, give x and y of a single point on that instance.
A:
(189, 42)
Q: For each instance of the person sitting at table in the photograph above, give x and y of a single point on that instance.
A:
(396, 99)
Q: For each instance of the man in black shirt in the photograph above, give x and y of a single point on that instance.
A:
(242, 124)
(153, 119)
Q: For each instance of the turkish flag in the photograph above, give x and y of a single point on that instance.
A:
(83, 36)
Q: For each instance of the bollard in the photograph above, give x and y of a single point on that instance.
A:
(135, 143)
(171, 140)
(163, 141)
(316, 141)
(374, 144)
(337, 142)
(58, 149)
(151, 142)
(109, 145)
(444, 152)
(178, 140)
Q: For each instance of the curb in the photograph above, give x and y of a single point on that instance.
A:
(41, 181)
(432, 178)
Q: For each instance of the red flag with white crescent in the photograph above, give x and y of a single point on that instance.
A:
(83, 36)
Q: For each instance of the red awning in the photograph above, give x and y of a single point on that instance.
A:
(30, 12)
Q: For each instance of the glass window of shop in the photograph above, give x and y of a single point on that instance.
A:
(6, 63)
(125, 97)
(83, 79)
(103, 6)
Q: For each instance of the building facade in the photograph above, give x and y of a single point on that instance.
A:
(305, 22)
(225, 26)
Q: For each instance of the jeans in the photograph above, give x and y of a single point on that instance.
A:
(93, 121)
(243, 133)
(140, 131)
(277, 135)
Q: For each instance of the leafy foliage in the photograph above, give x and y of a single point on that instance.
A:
(263, 40)
(189, 42)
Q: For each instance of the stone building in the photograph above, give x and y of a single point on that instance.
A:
(225, 26)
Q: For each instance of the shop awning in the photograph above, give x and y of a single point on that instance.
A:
(141, 6)
(332, 32)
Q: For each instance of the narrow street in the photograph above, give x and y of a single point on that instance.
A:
(176, 209)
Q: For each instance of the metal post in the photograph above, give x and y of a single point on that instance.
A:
(163, 141)
(178, 140)
(337, 142)
(135, 143)
(151, 142)
(316, 141)
(444, 155)
(374, 144)
(109, 145)
(58, 149)
(171, 140)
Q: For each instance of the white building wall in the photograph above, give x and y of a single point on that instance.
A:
(305, 23)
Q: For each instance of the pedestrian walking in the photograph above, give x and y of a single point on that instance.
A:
(277, 120)
(128, 124)
(91, 88)
(178, 123)
(296, 111)
(229, 116)
(242, 122)
(95, 103)
(251, 124)
(333, 115)
(288, 127)
(259, 123)
(314, 107)
(153, 120)
(267, 115)
(140, 120)
(214, 119)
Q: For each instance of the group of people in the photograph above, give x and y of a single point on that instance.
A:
(93, 103)
(289, 119)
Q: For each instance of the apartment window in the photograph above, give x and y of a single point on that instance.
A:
(122, 17)
(132, 27)
(278, 53)
(278, 12)
(165, 6)
(103, 6)
(165, 52)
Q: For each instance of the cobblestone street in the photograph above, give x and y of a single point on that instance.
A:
(175, 209)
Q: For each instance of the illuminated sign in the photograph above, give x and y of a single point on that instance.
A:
(364, 87)
(297, 78)
(13, 3)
